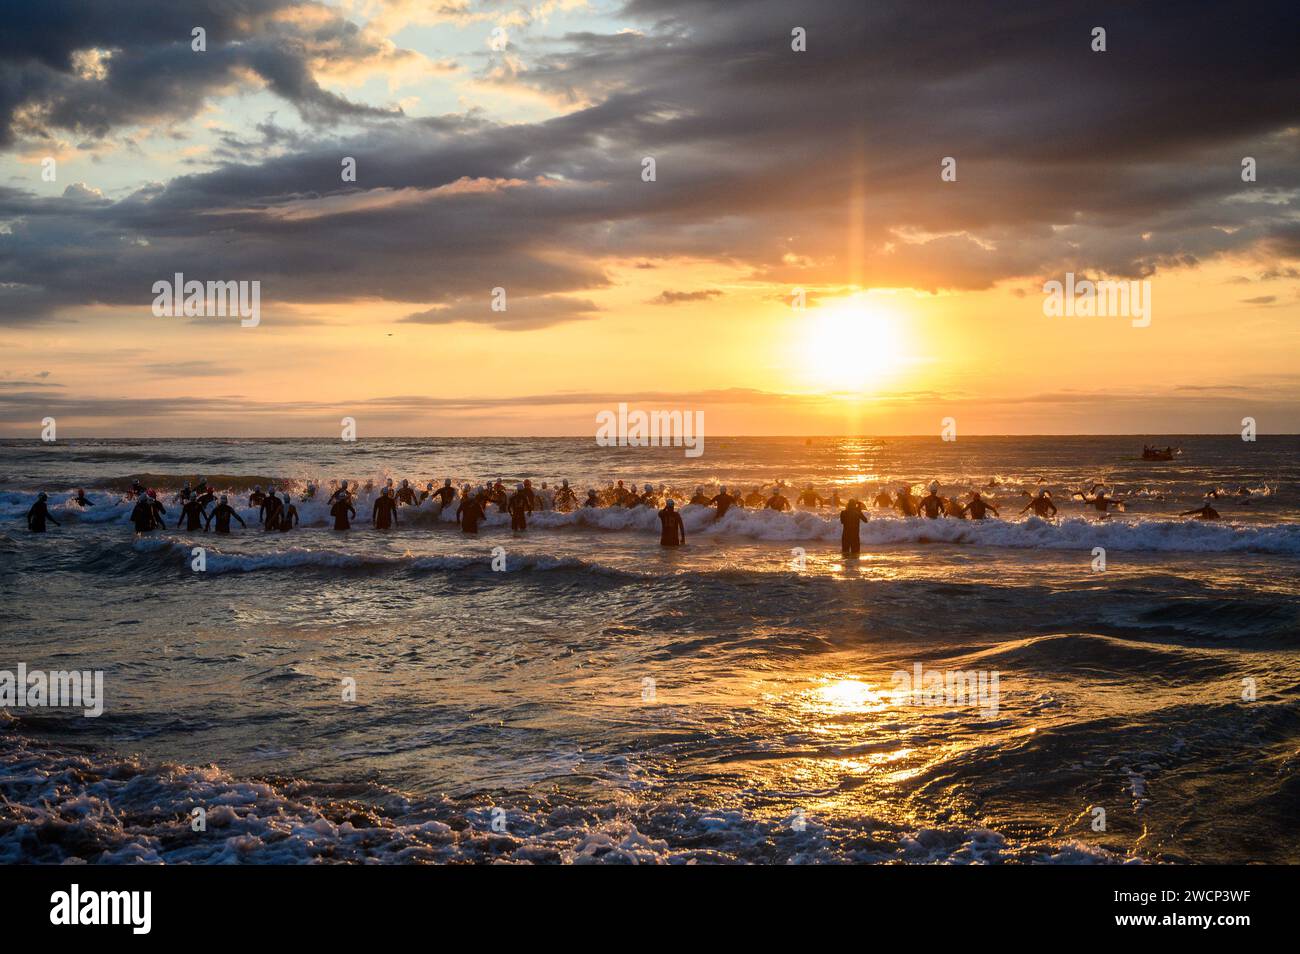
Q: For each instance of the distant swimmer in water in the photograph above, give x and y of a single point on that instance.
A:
(142, 515)
(206, 496)
(341, 494)
(137, 489)
(192, 515)
(852, 517)
(469, 513)
(724, 502)
(593, 499)
(755, 498)
(777, 501)
(309, 493)
(700, 498)
(81, 500)
(270, 512)
(445, 494)
(405, 495)
(519, 506)
(383, 515)
(1101, 501)
(222, 514)
(1041, 505)
(673, 533)
(905, 502)
(158, 510)
(1202, 513)
(341, 510)
(288, 515)
(978, 507)
(39, 513)
(883, 500)
(810, 498)
(257, 498)
(931, 505)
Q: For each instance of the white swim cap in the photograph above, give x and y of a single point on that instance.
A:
(934, 486)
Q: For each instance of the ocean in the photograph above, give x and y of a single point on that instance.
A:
(369, 696)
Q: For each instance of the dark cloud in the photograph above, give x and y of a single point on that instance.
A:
(677, 297)
(1260, 300)
(814, 169)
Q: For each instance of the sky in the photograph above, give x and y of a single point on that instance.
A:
(803, 260)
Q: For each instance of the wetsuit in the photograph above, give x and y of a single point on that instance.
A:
(192, 514)
(37, 516)
(777, 502)
(565, 498)
(591, 501)
(222, 514)
(906, 505)
(207, 498)
(519, 506)
(852, 519)
(932, 506)
(270, 513)
(977, 509)
(809, 498)
(469, 513)
(81, 500)
(724, 502)
(754, 499)
(674, 531)
(1042, 507)
(446, 495)
(142, 516)
(384, 513)
(406, 496)
(341, 510)
(288, 518)
(700, 499)
(256, 499)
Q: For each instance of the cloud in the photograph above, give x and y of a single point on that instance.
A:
(1260, 300)
(521, 314)
(676, 297)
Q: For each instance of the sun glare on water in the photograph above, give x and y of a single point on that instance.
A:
(854, 346)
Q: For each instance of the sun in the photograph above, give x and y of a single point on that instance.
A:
(854, 345)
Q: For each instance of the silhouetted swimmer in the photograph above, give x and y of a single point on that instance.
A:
(1101, 501)
(777, 501)
(978, 507)
(519, 505)
(852, 518)
(270, 512)
(341, 494)
(288, 515)
(446, 493)
(81, 500)
(700, 498)
(883, 500)
(206, 496)
(565, 498)
(341, 510)
(1041, 505)
(592, 499)
(469, 513)
(222, 514)
(384, 512)
(192, 515)
(755, 498)
(673, 533)
(142, 515)
(1202, 513)
(158, 510)
(39, 513)
(810, 497)
(405, 495)
(724, 503)
(931, 505)
(256, 498)
(905, 502)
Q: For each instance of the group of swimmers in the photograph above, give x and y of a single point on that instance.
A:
(200, 508)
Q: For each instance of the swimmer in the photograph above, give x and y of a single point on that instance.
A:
(673, 533)
(851, 518)
(777, 501)
(1205, 512)
(341, 510)
(724, 502)
(383, 513)
(810, 498)
(39, 513)
(1041, 505)
(978, 507)
(469, 513)
(288, 515)
(519, 505)
(931, 505)
(221, 514)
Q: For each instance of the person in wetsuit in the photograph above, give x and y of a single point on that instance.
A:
(931, 505)
(883, 500)
(1041, 504)
(851, 518)
(341, 494)
(158, 510)
(724, 501)
(39, 513)
(192, 515)
(810, 497)
(206, 495)
(519, 505)
(142, 515)
(673, 533)
(755, 498)
(222, 514)
(405, 495)
(383, 515)
(256, 498)
(905, 502)
(777, 501)
(700, 498)
(1205, 512)
(341, 510)
(592, 499)
(288, 515)
(270, 512)
(81, 500)
(565, 498)
(446, 493)
(469, 513)
(978, 507)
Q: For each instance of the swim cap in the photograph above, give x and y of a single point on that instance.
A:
(403, 483)
(225, 499)
(447, 482)
(1041, 492)
(669, 504)
(41, 495)
(344, 484)
(519, 486)
(565, 483)
(648, 488)
(934, 486)
(258, 488)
